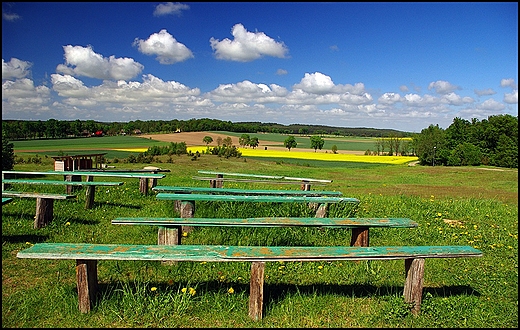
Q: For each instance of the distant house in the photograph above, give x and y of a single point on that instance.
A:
(78, 162)
(98, 133)
(137, 131)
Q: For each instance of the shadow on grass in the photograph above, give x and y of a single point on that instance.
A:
(135, 207)
(276, 293)
(24, 238)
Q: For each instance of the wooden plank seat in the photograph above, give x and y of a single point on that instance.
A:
(90, 191)
(73, 175)
(44, 205)
(172, 227)
(88, 255)
(187, 207)
(6, 200)
(219, 180)
(232, 191)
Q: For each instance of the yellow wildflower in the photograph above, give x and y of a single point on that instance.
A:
(153, 288)
(231, 290)
(192, 291)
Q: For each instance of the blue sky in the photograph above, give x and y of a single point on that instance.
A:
(399, 66)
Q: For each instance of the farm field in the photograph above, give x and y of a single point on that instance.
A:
(476, 206)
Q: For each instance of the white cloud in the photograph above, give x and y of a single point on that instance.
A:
(22, 92)
(316, 83)
(170, 8)
(15, 69)
(442, 87)
(455, 99)
(281, 72)
(164, 45)
(389, 98)
(247, 46)
(491, 105)
(83, 61)
(484, 92)
(10, 17)
(511, 98)
(508, 83)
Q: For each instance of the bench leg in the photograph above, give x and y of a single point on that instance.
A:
(87, 282)
(217, 183)
(187, 211)
(306, 186)
(90, 193)
(169, 235)
(44, 212)
(256, 290)
(322, 210)
(413, 287)
(360, 237)
(143, 185)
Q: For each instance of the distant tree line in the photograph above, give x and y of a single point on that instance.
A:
(492, 141)
(59, 129)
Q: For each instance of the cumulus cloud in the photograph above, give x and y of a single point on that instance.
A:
(389, 98)
(508, 83)
(15, 69)
(164, 45)
(484, 92)
(455, 99)
(247, 46)
(491, 105)
(170, 8)
(511, 98)
(281, 72)
(442, 87)
(22, 92)
(83, 61)
(316, 83)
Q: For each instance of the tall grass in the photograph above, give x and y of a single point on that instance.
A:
(453, 206)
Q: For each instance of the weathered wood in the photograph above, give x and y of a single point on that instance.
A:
(217, 183)
(6, 200)
(233, 191)
(267, 181)
(360, 236)
(90, 193)
(187, 211)
(22, 194)
(256, 290)
(65, 182)
(92, 173)
(143, 186)
(44, 212)
(218, 253)
(413, 287)
(170, 235)
(87, 283)
(70, 188)
(257, 198)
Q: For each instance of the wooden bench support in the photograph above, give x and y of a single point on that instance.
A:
(360, 237)
(87, 255)
(44, 212)
(256, 290)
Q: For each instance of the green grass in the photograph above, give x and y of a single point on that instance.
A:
(472, 206)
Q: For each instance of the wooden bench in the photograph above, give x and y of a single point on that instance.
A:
(87, 256)
(44, 205)
(170, 229)
(218, 182)
(72, 176)
(90, 192)
(6, 200)
(231, 191)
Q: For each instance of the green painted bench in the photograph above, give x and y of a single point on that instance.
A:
(90, 191)
(218, 182)
(44, 205)
(231, 191)
(6, 200)
(88, 255)
(170, 228)
(74, 176)
(187, 201)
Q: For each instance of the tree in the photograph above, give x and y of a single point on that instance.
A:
(317, 142)
(334, 149)
(7, 153)
(227, 142)
(219, 141)
(244, 140)
(207, 139)
(253, 142)
(290, 142)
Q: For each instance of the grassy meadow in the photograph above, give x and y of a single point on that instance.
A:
(476, 206)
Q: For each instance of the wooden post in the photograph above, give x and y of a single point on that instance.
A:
(322, 210)
(306, 186)
(90, 193)
(187, 211)
(44, 212)
(359, 237)
(169, 235)
(70, 177)
(143, 185)
(256, 290)
(413, 286)
(217, 183)
(87, 283)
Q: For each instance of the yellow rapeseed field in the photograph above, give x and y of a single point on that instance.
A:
(249, 152)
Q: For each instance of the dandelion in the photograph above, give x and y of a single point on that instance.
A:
(183, 290)
(153, 289)
(28, 243)
(184, 234)
(231, 290)
(67, 224)
(192, 291)
(320, 267)
(439, 214)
